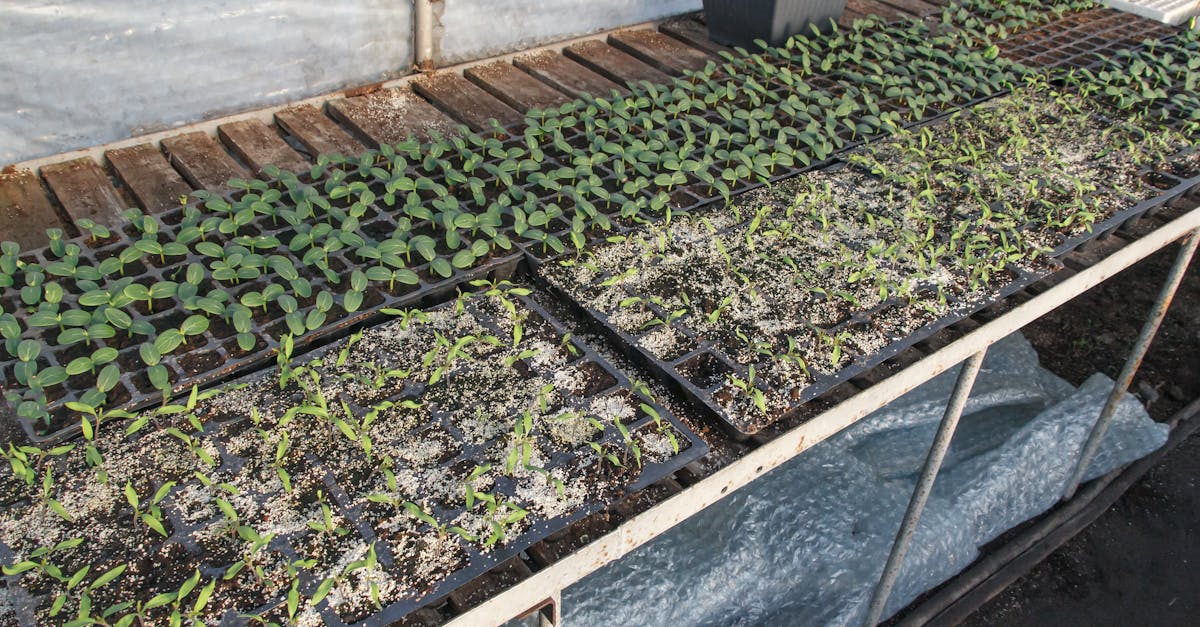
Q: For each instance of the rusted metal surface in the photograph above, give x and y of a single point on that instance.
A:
(924, 486)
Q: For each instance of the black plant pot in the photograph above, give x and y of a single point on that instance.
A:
(740, 22)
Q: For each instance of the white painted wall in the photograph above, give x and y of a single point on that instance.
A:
(78, 73)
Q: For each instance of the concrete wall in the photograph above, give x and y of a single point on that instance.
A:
(78, 73)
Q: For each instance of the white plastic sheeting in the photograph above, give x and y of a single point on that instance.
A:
(79, 73)
(805, 544)
(86, 72)
(472, 29)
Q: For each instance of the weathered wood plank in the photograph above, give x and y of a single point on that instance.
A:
(915, 8)
(154, 184)
(319, 134)
(872, 7)
(84, 190)
(25, 210)
(663, 52)
(202, 161)
(566, 75)
(390, 116)
(613, 63)
(259, 146)
(849, 16)
(693, 33)
(465, 101)
(514, 87)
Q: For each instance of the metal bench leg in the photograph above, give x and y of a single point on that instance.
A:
(1121, 385)
(916, 504)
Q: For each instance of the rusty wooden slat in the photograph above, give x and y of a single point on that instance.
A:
(25, 210)
(848, 17)
(202, 161)
(259, 145)
(85, 191)
(319, 134)
(514, 87)
(663, 52)
(872, 7)
(154, 184)
(566, 75)
(692, 33)
(915, 8)
(390, 116)
(465, 101)
(613, 63)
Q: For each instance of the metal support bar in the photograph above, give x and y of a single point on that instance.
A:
(423, 34)
(920, 495)
(1136, 354)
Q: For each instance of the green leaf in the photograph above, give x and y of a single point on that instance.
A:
(52, 376)
(322, 591)
(194, 325)
(118, 318)
(150, 355)
(441, 267)
(159, 377)
(168, 340)
(108, 577)
(79, 365)
(108, 377)
(104, 355)
(463, 259)
(28, 350)
(352, 300)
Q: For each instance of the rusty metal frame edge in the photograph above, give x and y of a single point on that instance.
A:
(644, 527)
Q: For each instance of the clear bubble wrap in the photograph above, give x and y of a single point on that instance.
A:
(805, 544)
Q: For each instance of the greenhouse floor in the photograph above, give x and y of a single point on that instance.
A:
(1136, 564)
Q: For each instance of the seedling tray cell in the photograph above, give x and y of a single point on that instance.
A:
(357, 456)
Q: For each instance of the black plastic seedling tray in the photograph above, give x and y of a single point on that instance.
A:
(214, 355)
(353, 508)
(480, 563)
(706, 355)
